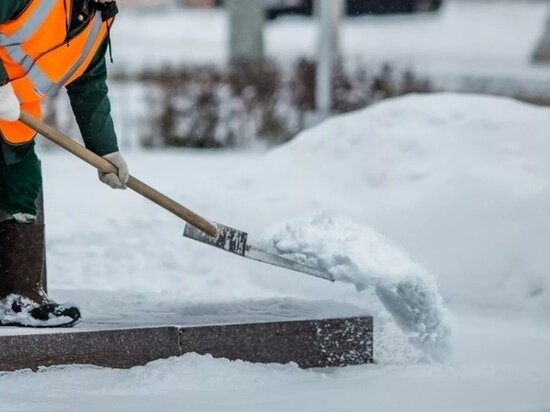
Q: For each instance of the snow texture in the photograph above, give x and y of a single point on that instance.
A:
(359, 255)
(458, 182)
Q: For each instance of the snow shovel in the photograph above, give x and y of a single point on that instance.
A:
(197, 228)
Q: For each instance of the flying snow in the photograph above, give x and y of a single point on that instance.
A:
(358, 255)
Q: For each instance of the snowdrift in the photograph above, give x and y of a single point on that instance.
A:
(461, 182)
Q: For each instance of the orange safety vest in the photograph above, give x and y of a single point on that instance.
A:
(40, 59)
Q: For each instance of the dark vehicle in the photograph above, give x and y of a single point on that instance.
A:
(276, 8)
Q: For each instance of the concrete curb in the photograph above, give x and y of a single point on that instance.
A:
(309, 343)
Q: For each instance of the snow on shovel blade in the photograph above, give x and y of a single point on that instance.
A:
(235, 241)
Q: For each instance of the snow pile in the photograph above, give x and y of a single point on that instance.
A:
(359, 255)
(460, 182)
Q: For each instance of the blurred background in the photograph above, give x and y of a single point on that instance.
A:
(253, 73)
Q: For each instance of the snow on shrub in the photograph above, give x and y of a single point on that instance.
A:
(247, 103)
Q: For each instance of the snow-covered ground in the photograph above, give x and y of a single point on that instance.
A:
(466, 38)
(454, 188)
(449, 192)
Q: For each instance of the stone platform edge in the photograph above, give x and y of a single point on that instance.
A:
(308, 343)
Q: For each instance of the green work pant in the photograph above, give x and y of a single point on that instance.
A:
(20, 183)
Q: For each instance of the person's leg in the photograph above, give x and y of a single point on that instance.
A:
(22, 261)
(23, 300)
(20, 185)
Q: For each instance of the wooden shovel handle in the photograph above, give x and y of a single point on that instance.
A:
(105, 166)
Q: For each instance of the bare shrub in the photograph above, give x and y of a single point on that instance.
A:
(355, 89)
(248, 102)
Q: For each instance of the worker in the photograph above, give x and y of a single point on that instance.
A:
(46, 45)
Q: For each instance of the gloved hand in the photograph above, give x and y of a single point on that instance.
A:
(10, 108)
(119, 180)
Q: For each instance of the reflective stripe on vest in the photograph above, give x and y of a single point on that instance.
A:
(38, 18)
(40, 60)
(42, 82)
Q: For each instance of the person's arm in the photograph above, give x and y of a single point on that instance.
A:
(90, 103)
(92, 109)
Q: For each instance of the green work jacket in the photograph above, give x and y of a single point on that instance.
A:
(87, 94)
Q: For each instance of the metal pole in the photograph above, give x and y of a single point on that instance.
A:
(329, 13)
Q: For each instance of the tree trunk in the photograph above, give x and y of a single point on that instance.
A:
(246, 23)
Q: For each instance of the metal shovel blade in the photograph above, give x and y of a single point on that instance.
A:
(237, 242)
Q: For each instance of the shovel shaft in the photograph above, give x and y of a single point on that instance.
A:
(105, 166)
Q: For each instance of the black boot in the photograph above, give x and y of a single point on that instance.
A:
(23, 301)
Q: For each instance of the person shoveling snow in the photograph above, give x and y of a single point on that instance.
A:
(360, 256)
(32, 30)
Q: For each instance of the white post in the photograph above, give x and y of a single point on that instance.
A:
(329, 13)
(542, 52)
